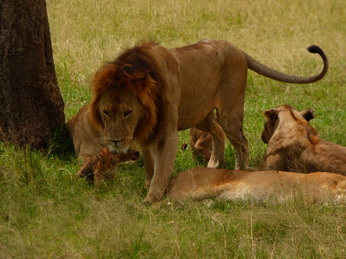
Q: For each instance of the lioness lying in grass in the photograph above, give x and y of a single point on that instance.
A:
(294, 145)
(202, 183)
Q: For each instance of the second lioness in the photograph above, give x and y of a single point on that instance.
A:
(262, 186)
(294, 145)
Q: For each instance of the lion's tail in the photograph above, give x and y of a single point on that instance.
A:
(262, 69)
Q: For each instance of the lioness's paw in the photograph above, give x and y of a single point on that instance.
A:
(151, 199)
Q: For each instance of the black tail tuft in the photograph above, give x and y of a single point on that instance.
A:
(315, 49)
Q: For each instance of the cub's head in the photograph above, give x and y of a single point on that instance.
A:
(283, 113)
(104, 162)
(125, 99)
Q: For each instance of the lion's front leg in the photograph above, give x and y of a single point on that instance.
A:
(166, 150)
(148, 154)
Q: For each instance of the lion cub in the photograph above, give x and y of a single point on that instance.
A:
(202, 183)
(102, 165)
(294, 145)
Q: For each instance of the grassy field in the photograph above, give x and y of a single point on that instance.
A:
(46, 212)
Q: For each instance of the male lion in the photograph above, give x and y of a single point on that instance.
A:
(202, 183)
(294, 145)
(149, 93)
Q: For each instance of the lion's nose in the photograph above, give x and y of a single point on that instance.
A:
(115, 141)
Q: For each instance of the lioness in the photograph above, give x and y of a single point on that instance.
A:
(149, 93)
(87, 139)
(294, 145)
(202, 183)
(102, 165)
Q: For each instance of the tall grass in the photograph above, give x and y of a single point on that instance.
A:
(46, 212)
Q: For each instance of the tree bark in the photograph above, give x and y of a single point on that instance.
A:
(31, 105)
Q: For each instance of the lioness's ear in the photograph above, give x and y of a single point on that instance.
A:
(271, 114)
(308, 114)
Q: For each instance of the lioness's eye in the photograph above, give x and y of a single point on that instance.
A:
(105, 112)
(127, 114)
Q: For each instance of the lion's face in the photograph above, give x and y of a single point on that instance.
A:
(120, 112)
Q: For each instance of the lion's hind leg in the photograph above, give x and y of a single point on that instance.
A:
(235, 135)
(231, 121)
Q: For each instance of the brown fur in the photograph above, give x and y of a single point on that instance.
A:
(294, 145)
(87, 139)
(102, 165)
(262, 186)
(149, 93)
(202, 144)
(133, 72)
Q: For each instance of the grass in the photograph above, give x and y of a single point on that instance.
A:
(46, 212)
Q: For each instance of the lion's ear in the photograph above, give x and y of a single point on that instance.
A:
(148, 89)
(103, 79)
(308, 114)
(271, 114)
(133, 73)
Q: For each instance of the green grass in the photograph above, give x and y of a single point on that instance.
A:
(46, 212)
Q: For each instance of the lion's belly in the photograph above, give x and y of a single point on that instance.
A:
(190, 118)
(197, 100)
(201, 69)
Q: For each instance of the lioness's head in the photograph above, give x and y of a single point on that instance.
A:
(124, 102)
(272, 119)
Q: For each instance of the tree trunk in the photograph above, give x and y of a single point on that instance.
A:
(31, 106)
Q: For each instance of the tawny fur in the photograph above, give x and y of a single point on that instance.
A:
(149, 93)
(294, 145)
(87, 139)
(202, 144)
(102, 165)
(262, 186)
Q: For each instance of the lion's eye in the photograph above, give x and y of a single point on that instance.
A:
(105, 112)
(127, 114)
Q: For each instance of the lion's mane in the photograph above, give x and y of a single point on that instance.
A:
(134, 70)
